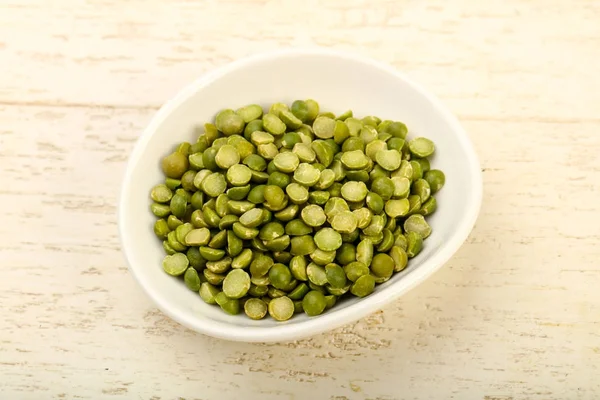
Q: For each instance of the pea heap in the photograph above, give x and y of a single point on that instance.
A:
(286, 212)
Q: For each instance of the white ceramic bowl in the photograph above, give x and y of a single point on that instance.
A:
(338, 82)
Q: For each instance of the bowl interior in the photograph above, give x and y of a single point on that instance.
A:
(338, 83)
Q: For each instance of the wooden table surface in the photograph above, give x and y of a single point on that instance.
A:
(515, 313)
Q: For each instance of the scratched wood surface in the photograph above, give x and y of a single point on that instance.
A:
(514, 315)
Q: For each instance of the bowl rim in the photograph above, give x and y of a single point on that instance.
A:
(335, 318)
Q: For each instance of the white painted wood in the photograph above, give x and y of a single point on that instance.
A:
(514, 315)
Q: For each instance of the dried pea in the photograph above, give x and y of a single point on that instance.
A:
(281, 308)
(255, 308)
(314, 303)
(191, 279)
(175, 264)
(230, 306)
(236, 284)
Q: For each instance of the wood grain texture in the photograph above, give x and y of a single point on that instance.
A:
(514, 315)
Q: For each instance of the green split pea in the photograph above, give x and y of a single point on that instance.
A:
(289, 209)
